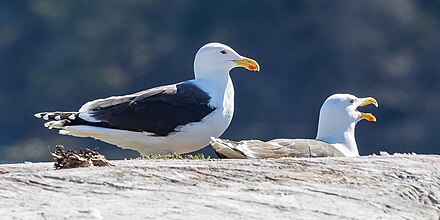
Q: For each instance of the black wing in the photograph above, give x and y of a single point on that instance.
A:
(159, 110)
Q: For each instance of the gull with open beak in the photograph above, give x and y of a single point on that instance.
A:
(335, 137)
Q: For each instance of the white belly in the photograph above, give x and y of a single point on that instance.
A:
(187, 138)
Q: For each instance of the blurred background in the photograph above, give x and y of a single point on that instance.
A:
(57, 55)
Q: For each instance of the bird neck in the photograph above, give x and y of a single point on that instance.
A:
(217, 83)
(217, 77)
(341, 136)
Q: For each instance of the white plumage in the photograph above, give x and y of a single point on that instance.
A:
(176, 118)
(337, 121)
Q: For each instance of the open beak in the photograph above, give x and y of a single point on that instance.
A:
(368, 116)
(365, 102)
(248, 64)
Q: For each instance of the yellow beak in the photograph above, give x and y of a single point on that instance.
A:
(248, 64)
(368, 116)
(368, 101)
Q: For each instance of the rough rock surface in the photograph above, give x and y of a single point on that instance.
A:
(376, 187)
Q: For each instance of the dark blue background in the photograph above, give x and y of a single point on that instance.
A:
(56, 55)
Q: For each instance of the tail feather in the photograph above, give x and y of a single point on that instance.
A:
(226, 149)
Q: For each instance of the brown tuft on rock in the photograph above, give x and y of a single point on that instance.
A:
(71, 159)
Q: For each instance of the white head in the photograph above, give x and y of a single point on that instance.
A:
(338, 118)
(216, 59)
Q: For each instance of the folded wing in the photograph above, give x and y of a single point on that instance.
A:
(159, 111)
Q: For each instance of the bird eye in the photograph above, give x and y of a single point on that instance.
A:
(223, 52)
(351, 101)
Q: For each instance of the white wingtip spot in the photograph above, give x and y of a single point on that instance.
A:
(58, 117)
(38, 115)
(48, 125)
(54, 124)
(63, 132)
(46, 117)
(72, 117)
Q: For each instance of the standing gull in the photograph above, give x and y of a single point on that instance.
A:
(177, 118)
(337, 120)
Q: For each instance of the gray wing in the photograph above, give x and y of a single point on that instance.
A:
(273, 149)
(306, 148)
